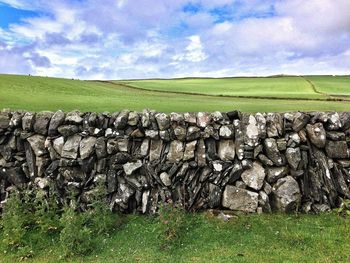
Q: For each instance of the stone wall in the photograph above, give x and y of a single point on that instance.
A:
(240, 161)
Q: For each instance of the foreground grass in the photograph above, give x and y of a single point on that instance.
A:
(248, 238)
(41, 93)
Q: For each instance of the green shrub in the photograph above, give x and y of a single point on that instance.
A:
(75, 237)
(100, 218)
(47, 212)
(172, 219)
(14, 222)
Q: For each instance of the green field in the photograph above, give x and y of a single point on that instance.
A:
(337, 86)
(278, 87)
(248, 238)
(258, 94)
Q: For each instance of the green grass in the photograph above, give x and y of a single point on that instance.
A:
(278, 87)
(337, 85)
(248, 238)
(42, 93)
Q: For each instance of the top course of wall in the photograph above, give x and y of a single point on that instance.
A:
(239, 161)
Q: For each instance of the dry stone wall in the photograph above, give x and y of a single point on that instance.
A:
(239, 161)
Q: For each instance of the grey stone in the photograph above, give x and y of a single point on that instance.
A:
(316, 134)
(274, 125)
(163, 121)
(180, 132)
(28, 121)
(190, 118)
(68, 130)
(71, 147)
(210, 132)
(56, 120)
(239, 139)
(112, 146)
(299, 121)
(123, 144)
(4, 120)
(336, 136)
(144, 147)
(145, 119)
(333, 122)
(337, 149)
(58, 145)
(42, 120)
(164, 135)
(217, 116)
(137, 133)
(215, 194)
(165, 178)
(254, 177)
(122, 120)
(203, 119)
(100, 148)
(240, 199)
(193, 133)
(286, 196)
(155, 150)
(264, 202)
(131, 167)
(152, 134)
(293, 156)
(37, 142)
(226, 132)
(175, 151)
(261, 123)
(177, 117)
(87, 147)
(74, 117)
(16, 119)
(275, 173)
(264, 160)
(272, 151)
(133, 118)
(251, 132)
(226, 150)
(200, 155)
(189, 150)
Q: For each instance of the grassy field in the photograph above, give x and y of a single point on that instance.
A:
(278, 87)
(248, 238)
(337, 86)
(42, 93)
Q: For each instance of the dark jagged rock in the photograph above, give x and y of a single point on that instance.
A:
(28, 121)
(275, 173)
(300, 120)
(74, 117)
(68, 130)
(71, 147)
(42, 120)
(337, 149)
(272, 151)
(37, 142)
(56, 120)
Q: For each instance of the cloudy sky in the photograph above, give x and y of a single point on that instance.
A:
(118, 39)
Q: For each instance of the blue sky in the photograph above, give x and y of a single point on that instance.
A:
(118, 39)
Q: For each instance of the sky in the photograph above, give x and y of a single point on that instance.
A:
(125, 39)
